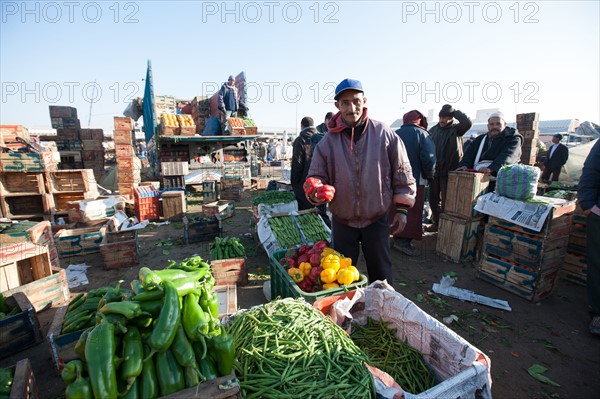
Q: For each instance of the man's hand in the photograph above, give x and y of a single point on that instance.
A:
(398, 223)
(461, 168)
(485, 171)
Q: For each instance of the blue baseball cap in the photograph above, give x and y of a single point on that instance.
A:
(348, 84)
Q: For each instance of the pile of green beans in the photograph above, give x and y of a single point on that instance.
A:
(386, 352)
(288, 349)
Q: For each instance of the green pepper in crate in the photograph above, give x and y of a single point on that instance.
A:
(223, 352)
(168, 320)
(133, 352)
(100, 357)
(80, 388)
(168, 373)
(6, 380)
(148, 385)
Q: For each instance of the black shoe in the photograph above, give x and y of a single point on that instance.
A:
(408, 250)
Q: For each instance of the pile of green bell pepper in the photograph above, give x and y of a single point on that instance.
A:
(160, 337)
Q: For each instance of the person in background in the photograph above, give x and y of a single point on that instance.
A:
(301, 155)
(489, 152)
(469, 141)
(366, 163)
(229, 101)
(588, 198)
(321, 130)
(557, 156)
(447, 137)
(421, 154)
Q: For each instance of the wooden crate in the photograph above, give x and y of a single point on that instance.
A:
(25, 162)
(22, 263)
(45, 292)
(21, 183)
(92, 134)
(61, 346)
(91, 211)
(219, 388)
(22, 330)
(123, 123)
(458, 238)
(78, 180)
(59, 111)
(522, 249)
(9, 134)
(219, 209)
(251, 130)
(574, 268)
(92, 145)
(522, 281)
(119, 254)
(122, 137)
(24, 385)
(39, 233)
(71, 242)
(173, 205)
(227, 295)
(65, 123)
(187, 130)
(124, 150)
(61, 201)
(229, 271)
(557, 224)
(463, 190)
(68, 133)
(174, 168)
(167, 182)
(26, 206)
(126, 163)
(198, 230)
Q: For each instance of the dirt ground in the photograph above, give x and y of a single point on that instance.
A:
(553, 333)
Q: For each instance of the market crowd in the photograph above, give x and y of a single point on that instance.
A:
(380, 176)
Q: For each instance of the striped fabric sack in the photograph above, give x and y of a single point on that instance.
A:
(518, 182)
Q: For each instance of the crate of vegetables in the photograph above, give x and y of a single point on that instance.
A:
(19, 325)
(18, 381)
(312, 272)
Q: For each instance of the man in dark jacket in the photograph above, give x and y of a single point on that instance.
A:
(301, 161)
(588, 197)
(556, 158)
(489, 152)
(321, 130)
(367, 164)
(447, 137)
(229, 101)
(421, 154)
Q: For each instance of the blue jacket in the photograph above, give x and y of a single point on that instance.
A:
(420, 150)
(588, 193)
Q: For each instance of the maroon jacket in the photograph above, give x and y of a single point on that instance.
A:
(367, 177)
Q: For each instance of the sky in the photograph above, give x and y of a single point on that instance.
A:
(518, 56)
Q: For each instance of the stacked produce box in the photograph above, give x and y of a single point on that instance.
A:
(200, 112)
(147, 205)
(236, 126)
(68, 136)
(173, 174)
(523, 261)
(93, 151)
(187, 126)
(9, 135)
(70, 185)
(528, 126)
(574, 269)
(232, 184)
(128, 173)
(39, 233)
(460, 226)
(23, 193)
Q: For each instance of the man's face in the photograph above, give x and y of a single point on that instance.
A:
(555, 140)
(445, 120)
(230, 82)
(495, 126)
(351, 104)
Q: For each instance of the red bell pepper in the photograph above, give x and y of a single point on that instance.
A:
(325, 193)
(311, 184)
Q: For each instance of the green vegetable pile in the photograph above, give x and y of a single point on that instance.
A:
(389, 354)
(6, 380)
(226, 248)
(285, 230)
(160, 337)
(248, 122)
(312, 227)
(288, 349)
(6, 310)
(273, 197)
(564, 194)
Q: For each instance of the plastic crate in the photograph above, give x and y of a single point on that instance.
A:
(283, 286)
(147, 208)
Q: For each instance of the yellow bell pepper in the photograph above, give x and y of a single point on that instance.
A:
(329, 251)
(296, 274)
(331, 262)
(354, 270)
(305, 268)
(328, 276)
(345, 277)
(345, 262)
(329, 286)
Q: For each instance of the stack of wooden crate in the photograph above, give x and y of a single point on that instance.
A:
(68, 139)
(128, 173)
(173, 174)
(93, 151)
(528, 126)
(232, 184)
(9, 135)
(460, 226)
(574, 269)
(70, 185)
(23, 194)
(523, 261)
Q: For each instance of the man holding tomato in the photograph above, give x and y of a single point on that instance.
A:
(366, 164)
